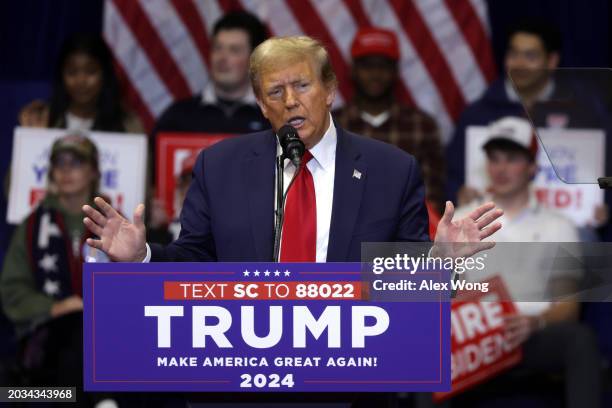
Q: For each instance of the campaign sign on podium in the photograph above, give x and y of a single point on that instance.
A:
(228, 327)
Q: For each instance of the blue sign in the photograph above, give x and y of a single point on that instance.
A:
(228, 327)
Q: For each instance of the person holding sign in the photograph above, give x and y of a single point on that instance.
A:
(351, 190)
(40, 284)
(551, 337)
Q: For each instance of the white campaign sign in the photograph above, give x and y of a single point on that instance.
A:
(123, 162)
(579, 157)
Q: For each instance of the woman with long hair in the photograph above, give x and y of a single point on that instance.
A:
(86, 94)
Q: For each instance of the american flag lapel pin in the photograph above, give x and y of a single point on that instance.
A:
(357, 174)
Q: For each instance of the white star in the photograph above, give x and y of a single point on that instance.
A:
(287, 273)
(48, 262)
(51, 287)
(276, 273)
(267, 273)
(246, 273)
(256, 273)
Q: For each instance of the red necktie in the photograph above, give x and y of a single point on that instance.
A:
(299, 239)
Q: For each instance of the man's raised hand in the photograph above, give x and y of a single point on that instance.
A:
(120, 239)
(463, 238)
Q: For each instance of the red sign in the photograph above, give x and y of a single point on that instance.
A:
(172, 148)
(478, 347)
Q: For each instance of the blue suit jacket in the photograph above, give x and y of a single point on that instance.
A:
(228, 214)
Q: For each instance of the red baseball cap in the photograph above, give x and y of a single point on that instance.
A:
(375, 41)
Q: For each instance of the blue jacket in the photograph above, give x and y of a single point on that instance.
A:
(228, 214)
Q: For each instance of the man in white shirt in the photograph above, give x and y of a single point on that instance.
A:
(350, 189)
(551, 336)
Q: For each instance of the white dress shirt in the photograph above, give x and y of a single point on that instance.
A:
(322, 166)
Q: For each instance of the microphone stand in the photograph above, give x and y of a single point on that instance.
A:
(281, 196)
(279, 211)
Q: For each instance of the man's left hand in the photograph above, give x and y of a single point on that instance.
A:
(463, 238)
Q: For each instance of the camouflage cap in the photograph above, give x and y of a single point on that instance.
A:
(77, 144)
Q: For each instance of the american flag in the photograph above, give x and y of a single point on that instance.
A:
(162, 46)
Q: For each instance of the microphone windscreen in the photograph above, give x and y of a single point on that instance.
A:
(286, 133)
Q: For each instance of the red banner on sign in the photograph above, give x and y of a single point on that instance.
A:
(172, 149)
(262, 290)
(479, 351)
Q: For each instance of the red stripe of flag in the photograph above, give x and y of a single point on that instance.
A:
(311, 23)
(134, 99)
(359, 15)
(154, 47)
(468, 21)
(361, 19)
(229, 5)
(430, 54)
(190, 17)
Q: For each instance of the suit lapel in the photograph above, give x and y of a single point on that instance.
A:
(349, 183)
(258, 175)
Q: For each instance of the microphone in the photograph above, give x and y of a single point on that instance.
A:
(292, 145)
(293, 149)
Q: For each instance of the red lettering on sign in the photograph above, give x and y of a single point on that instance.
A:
(478, 347)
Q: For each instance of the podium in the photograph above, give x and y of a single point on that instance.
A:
(260, 327)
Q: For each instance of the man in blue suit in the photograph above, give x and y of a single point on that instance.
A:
(361, 190)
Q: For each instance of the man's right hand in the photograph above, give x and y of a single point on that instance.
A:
(118, 238)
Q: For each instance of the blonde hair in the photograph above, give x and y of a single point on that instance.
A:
(282, 51)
